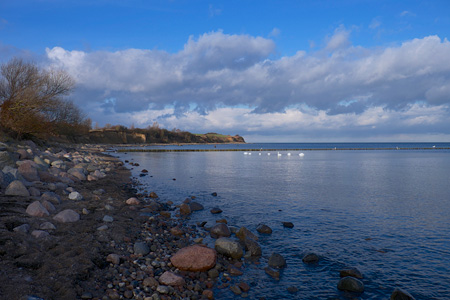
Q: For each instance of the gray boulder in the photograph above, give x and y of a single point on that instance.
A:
(276, 260)
(29, 171)
(220, 230)
(229, 247)
(399, 294)
(6, 159)
(67, 216)
(141, 248)
(51, 197)
(350, 284)
(17, 188)
(36, 209)
(264, 229)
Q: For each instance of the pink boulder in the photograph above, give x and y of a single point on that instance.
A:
(36, 209)
(194, 258)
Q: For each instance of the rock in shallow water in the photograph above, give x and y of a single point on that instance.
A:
(310, 258)
(276, 260)
(350, 284)
(400, 294)
(264, 229)
(220, 230)
(353, 272)
(229, 247)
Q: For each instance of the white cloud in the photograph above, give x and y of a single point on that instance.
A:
(235, 85)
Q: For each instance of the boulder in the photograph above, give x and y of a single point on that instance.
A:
(399, 294)
(264, 229)
(78, 173)
(195, 206)
(252, 247)
(215, 210)
(17, 188)
(310, 258)
(36, 209)
(277, 261)
(353, 272)
(67, 216)
(220, 230)
(113, 258)
(350, 284)
(288, 224)
(47, 226)
(275, 274)
(51, 197)
(133, 201)
(28, 170)
(6, 159)
(185, 209)
(75, 196)
(169, 278)
(49, 206)
(229, 247)
(22, 228)
(243, 233)
(194, 258)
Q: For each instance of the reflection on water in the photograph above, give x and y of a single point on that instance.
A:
(384, 212)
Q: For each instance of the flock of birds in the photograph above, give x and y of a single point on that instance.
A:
(278, 153)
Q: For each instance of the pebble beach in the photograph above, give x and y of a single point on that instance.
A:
(75, 225)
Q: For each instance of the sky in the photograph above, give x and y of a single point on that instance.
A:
(270, 71)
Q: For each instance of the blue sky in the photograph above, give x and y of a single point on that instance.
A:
(268, 70)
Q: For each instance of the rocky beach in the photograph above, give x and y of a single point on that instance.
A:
(75, 225)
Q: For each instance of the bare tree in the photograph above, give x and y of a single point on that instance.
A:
(32, 100)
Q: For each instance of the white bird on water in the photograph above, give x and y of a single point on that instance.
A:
(279, 154)
(301, 154)
(268, 153)
(289, 154)
(245, 153)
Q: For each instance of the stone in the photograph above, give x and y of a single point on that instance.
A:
(153, 195)
(29, 171)
(67, 216)
(244, 287)
(176, 231)
(40, 162)
(6, 159)
(150, 281)
(264, 229)
(36, 209)
(213, 273)
(195, 206)
(310, 258)
(353, 272)
(350, 284)
(292, 289)
(185, 209)
(399, 294)
(22, 228)
(288, 224)
(51, 197)
(252, 247)
(229, 247)
(39, 234)
(17, 188)
(163, 289)
(236, 289)
(220, 230)
(34, 192)
(233, 271)
(277, 261)
(75, 196)
(113, 258)
(243, 233)
(133, 201)
(141, 248)
(169, 278)
(49, 206)
(275, 274)
(208, 294)
(215, 210)
(47, 226)
(78, 173)
(102, 228)
(108, 219)
(194, 258)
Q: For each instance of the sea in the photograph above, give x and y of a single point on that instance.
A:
(383, 208)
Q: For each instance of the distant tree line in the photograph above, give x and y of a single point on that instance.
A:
(33, 102)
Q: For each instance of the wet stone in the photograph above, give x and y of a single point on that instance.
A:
(288, 224)
(310, 258)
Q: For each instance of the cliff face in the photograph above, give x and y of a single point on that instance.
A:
(140, 136)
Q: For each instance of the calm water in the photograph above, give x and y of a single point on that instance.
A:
(384, 212)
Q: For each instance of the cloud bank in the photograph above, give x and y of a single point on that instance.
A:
(238, 84)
